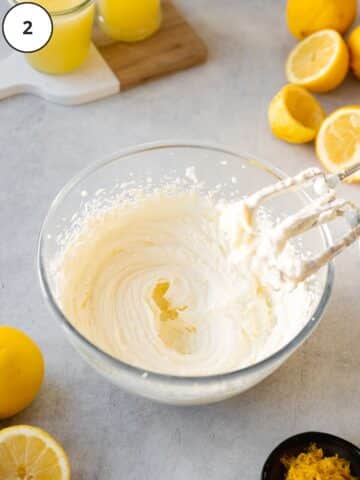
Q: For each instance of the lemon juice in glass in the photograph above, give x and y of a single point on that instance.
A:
(129, 20)
(69, 45)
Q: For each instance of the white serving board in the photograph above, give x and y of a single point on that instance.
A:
(94, 80)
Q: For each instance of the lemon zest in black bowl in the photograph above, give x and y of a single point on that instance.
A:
(313, 465)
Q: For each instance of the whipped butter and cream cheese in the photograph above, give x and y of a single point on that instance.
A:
(160, 284)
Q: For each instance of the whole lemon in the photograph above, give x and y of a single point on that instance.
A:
(308, 16)
(354, 47)
(21, 371)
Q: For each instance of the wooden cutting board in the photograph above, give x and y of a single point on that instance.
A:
(174, 47)
(111, 67)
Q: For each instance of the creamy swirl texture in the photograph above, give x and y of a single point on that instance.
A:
(155, 284)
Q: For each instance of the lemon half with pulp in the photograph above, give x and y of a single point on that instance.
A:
(30, 453)
(338, 141)
(320, 62)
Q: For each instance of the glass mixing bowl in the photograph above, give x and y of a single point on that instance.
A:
(221, 170)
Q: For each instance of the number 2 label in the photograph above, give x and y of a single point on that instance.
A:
(27, 30)
(27, 27)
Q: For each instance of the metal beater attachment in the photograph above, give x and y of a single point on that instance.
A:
(327, 207)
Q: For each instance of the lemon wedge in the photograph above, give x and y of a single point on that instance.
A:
(338, 141)
(295, 115)
(320, 62)
(30, 453)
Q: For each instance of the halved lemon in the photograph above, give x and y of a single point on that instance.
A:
(320, 62)
(338, 141)
(30, 453)
(295, 115)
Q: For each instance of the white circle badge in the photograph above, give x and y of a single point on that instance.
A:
(27, 27)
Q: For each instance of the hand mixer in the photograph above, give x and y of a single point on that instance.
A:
(325, 208)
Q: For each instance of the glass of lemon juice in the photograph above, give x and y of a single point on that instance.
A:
(69, 45)
(129, 20)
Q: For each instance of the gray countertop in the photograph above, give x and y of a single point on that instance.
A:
(109, 434)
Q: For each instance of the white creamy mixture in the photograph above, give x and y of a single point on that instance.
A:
(160, 284)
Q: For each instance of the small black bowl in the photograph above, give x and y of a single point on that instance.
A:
(274, 470)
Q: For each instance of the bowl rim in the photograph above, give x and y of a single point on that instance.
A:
(295, 342)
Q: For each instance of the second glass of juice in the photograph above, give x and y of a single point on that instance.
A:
(69, 45)
(129, 20)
